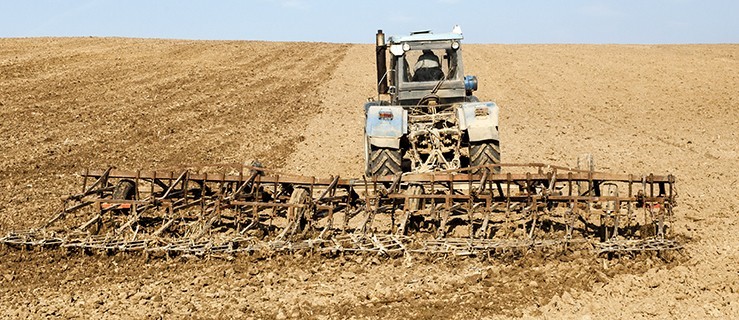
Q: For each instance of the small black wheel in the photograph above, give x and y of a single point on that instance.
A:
(124, 190)
(411, 220)
(300, 215)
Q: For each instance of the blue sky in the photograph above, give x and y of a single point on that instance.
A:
(512, 21)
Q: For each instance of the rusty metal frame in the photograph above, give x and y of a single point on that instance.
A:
(203, 204)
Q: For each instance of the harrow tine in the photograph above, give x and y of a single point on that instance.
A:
(367, 223)
(131, 220)
(87, 224)
(483, 231)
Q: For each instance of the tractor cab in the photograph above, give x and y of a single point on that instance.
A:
(426, 67)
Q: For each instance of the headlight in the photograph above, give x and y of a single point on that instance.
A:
(406, 47)
(455, 44)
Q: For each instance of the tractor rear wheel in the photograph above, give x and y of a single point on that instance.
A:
(384, 161)
(484, 153)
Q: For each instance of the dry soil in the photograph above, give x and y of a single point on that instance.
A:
(72, 103)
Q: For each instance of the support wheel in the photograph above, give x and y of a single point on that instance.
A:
(410, 207)
(298, 218)
(124, 190)
(484, 153)
(384, 161)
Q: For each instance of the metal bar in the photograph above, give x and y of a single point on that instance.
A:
(296, 179)
(65, 211)
(576, 176)
(279, 205)
(425, 177)
(173, 184)
(329, 190)
(430, 196)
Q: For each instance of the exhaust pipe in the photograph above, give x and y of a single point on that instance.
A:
(380, 47)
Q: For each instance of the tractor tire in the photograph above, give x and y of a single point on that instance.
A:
(484, 153)
(384, 161)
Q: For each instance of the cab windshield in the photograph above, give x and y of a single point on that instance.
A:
(430, 65)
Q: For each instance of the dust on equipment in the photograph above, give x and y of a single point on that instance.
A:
(252, 209)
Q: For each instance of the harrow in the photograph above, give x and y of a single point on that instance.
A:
(253, 209)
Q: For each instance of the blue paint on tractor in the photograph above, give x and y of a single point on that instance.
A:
(470, 83)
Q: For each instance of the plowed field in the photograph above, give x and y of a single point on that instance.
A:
(74, 103)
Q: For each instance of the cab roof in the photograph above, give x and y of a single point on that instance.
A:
(425, 36)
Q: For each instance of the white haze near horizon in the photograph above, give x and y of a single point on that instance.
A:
(522, 21)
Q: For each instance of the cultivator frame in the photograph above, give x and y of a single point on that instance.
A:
(253, 209)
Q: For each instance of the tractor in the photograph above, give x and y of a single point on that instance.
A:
(425, 117)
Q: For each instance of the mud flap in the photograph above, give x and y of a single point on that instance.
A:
(480, 119)
(385, 125)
